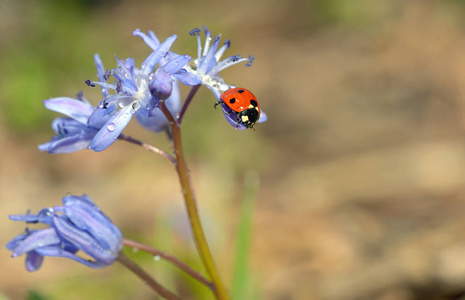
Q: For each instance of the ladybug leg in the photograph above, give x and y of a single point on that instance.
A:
(239, 119)
(217, 103)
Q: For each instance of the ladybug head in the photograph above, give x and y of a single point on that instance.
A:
(249, 117)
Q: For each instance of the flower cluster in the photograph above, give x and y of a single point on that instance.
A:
(138, 92)
(77, 225)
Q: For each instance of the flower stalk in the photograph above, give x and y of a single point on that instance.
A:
(191, 206)
(148, 147)
(172, 259)
(187, 102)
(125, 261)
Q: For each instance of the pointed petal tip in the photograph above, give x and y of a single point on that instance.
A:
(137, 32)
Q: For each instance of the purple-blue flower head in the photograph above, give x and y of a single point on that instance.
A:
(205, 68)
(76, 131)
(78, 225)
(134, 88)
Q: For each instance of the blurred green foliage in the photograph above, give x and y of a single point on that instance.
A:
(47, 55)
(243, 284)
(35, 295)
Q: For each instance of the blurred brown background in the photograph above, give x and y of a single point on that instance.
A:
(362, 160)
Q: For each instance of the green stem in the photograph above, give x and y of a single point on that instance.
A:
(149, 147)
(170, 258)
(125, 261)
(189, 198)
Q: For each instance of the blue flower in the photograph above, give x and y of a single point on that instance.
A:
(76, 131)
(205, 68)
(78, 225)
(134, 92)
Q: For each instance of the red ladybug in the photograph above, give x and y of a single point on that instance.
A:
(242, 103)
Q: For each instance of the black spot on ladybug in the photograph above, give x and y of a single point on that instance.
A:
(254, 103)
(240, 91)
(232, 100)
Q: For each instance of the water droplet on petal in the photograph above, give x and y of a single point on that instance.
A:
(156, 258)
(136, 105)
(111, 126)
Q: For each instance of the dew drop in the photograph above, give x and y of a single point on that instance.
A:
(111, 126)
(135, 250)
(156, 258)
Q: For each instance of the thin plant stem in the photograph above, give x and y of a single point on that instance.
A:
(191, 206)
(187, 102)
(125, 261)
(148, 147)
(172, 259)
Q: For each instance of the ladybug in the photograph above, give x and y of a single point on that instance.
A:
(243, 103)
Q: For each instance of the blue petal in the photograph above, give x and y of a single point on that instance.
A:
(67, 126)
(113, 128)
(263, 117)
(69, 144)
(44, 216)
(78, 110)
(173, 103)
(84, 241)
(88, 217)
(99, 117)
(101, 73)
(36, 239)
(155, 123)
(16, 241)
(57, 251)
(154, 37)
(209, 60)
(148, 40)
(84, 198)
(187, 78)
(176, 64)
(148, 65)
(33, 261)
(125, 74)
(231, 117)
(129, 64)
